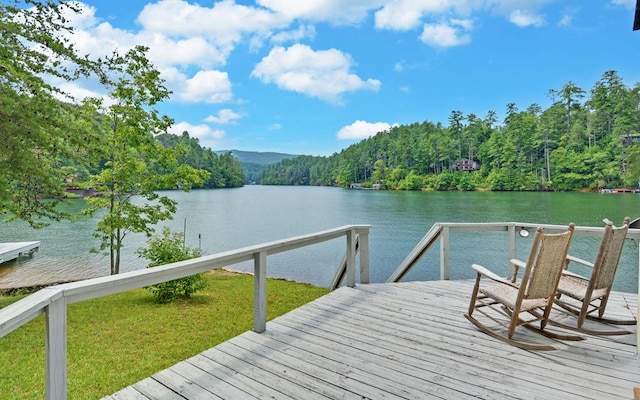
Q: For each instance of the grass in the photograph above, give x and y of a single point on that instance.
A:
(118, 340)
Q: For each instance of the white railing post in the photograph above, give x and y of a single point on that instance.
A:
(511, 238)
(444, 254)
(56, 350)
(260, 292)
(363, 239)
(351, 258)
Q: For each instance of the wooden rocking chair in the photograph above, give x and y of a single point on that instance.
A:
(585, 296)
(534, 294)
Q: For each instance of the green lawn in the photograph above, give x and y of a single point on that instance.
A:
(118, 340)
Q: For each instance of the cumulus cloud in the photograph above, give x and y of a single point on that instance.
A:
(225, 116)
(303, 32)
(625, 3)
(324, 74)
(338, 12)
(224, 22)
(362, 129)
(409, 14)
(526, 18)
(204, 86)
(207, 136)
(447, 34)
(164, 51)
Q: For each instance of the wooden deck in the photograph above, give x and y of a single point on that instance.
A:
(11, 251)
(397, 341)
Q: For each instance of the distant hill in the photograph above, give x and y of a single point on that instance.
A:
(254, 162)
(258, 157)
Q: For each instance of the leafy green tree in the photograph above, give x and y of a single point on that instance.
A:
(136, 165)
(166, 249)
(517, 155)
(41, 128)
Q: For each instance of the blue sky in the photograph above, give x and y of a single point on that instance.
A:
(314, 76)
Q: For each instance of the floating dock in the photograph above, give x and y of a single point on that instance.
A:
(11, 251)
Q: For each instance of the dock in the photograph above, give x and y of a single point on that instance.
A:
(405, 340)
(11, 251)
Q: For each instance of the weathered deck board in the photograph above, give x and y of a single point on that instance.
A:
(397, 341)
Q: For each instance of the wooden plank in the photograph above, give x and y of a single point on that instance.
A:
(153, 389)
(183, 387)
(224, 373)
(353, 376)
(352, 317)
(277, 379)
(398, 341)
(128, 393)
(422, 361)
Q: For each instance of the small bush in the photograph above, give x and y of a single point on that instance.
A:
(167, 249)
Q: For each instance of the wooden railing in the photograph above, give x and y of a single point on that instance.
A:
(442, 230)
(53, 300)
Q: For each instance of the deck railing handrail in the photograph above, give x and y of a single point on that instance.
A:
(53, 300)
(441, 230)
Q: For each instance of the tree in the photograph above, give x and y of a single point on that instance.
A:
(136, 165)
(39, 131)
(455, 125)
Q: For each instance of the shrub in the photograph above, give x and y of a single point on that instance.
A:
(166, 249)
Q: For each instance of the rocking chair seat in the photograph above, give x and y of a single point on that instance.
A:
(508, 295)
(576, 287)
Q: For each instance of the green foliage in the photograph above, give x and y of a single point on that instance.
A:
(571, 145)
(39, 133)
(166, 249)
(225, 170)
(135, 164)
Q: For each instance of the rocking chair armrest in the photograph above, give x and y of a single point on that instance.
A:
(485, 272)
(517, 264)
(574, 275)
(579, 261)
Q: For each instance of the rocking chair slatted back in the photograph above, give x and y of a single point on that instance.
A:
(545, 265)
(609, 255)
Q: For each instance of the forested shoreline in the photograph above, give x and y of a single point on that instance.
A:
(583, 141)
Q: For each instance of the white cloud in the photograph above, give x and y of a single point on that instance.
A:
(526, 18)
(204, 86)
(624, 3)
(566, 20)
(207, 136)
(324, 74)
(303, 32)
(338, 12)
(164, 51)
(362, 129)
(408, 14)
(446, 35)
(225, 116)
(224, 23)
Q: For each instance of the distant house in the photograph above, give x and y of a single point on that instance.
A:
(630, 139)
(466, 164)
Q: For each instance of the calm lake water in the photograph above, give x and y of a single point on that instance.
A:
(226, 219)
